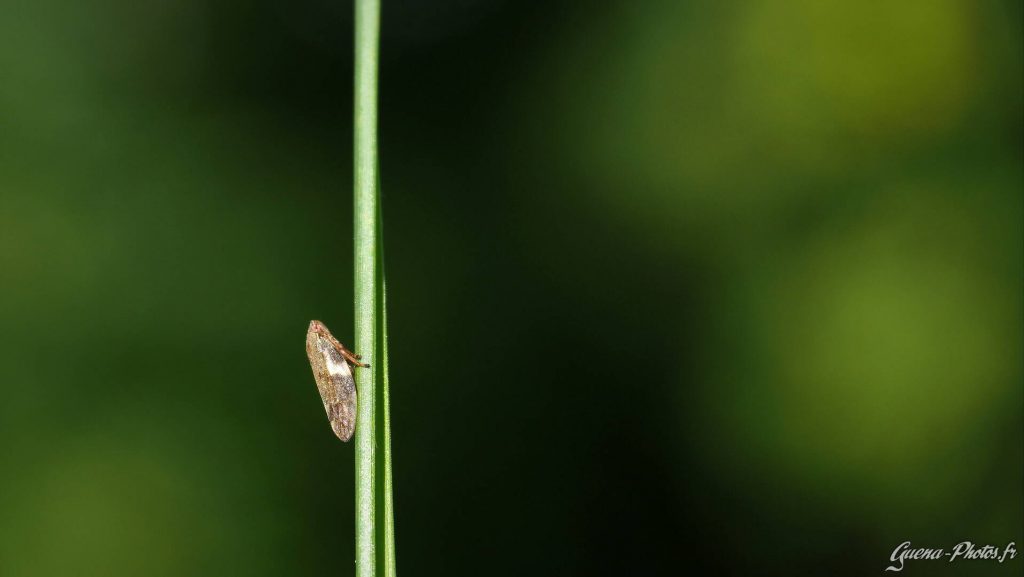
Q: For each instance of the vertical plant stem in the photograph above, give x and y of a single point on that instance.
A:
(367, 40)
(390, 565)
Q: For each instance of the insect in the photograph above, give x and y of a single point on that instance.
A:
(330, 361)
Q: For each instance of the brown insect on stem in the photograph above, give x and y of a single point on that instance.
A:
(331, 361)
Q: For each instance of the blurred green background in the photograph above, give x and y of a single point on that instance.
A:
(675, 288)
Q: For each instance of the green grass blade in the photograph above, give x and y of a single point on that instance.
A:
(389, 568)
(374, 505)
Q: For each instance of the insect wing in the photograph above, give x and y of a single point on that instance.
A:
(334, 380)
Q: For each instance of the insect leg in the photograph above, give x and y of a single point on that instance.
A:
(349, 355)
